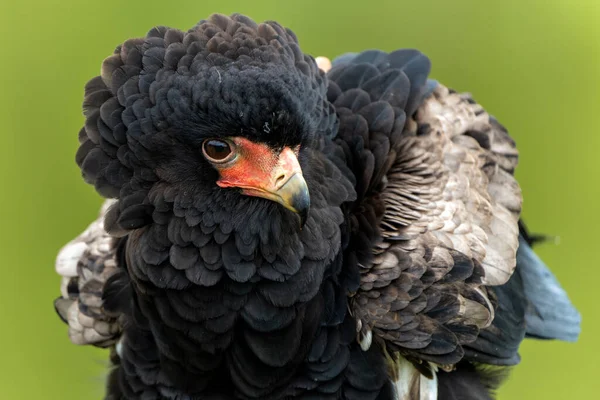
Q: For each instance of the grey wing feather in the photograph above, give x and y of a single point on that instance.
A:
(531, 304)
(549, 313)
(373, 57)
(85, 264)
(343, 59)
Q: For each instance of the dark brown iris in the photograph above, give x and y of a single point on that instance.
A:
(216, 150)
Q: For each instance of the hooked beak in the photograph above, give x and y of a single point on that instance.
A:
(292, 194)
(281, 182)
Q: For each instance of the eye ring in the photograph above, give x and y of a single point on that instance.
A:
(218, 151)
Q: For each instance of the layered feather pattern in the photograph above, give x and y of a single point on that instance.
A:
(439, 186)
(400, 285)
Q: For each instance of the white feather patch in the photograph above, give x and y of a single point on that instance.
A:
(410, 384)
(68, 257)
(429, 387)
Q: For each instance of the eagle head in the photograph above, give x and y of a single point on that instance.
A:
(215, 136)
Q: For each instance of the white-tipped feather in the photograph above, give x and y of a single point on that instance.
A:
(71, 253)
(366, 340)
(76, 263)
(119, 346)
(64, 285)
(476, 313)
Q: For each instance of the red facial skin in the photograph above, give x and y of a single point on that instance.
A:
(258, 169)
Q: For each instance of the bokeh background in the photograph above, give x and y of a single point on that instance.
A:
(535, 64)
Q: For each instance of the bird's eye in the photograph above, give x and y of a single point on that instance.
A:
(218, 151)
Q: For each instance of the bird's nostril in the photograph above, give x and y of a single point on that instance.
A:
(280, 180)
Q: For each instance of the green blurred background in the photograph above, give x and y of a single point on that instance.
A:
(535, 64)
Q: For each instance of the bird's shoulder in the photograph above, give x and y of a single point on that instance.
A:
(436, 218)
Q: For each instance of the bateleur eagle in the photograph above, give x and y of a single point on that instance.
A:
(274, 231)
